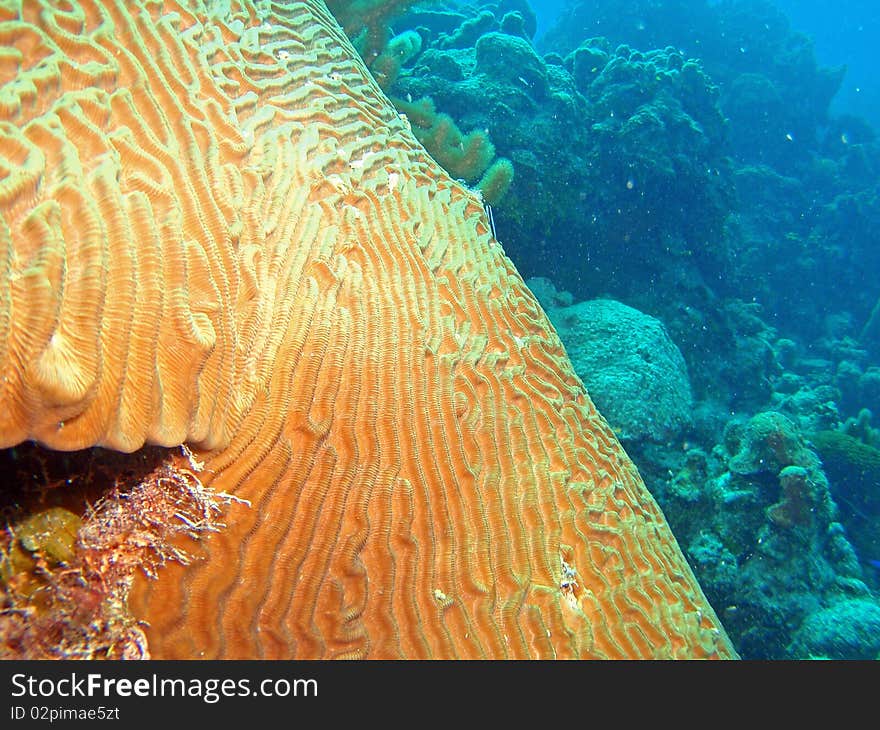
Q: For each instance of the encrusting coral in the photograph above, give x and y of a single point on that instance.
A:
(214, 229)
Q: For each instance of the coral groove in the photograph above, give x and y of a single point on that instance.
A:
(215, 229)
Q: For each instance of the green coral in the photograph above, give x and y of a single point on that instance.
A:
(843, 449)
(847, 460)
(853, 469)
(861, 429)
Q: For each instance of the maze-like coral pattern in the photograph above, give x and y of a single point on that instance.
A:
(215, 229)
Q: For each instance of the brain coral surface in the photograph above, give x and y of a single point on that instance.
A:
(214, 229)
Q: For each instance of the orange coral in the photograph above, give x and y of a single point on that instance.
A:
(496, 181)
(387, 65)
(214, 228)
(464, 156)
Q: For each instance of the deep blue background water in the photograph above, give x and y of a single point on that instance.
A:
(547, 12)
(845, 32)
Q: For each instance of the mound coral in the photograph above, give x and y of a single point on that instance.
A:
(215, 229)
(634, 372)
(769, 442)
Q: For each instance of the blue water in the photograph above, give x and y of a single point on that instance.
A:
(547, 12)
(844, 33)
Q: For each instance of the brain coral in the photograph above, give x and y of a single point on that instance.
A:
(632, 369)
(215, 229)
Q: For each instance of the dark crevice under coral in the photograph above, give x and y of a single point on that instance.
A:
(76, 528)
